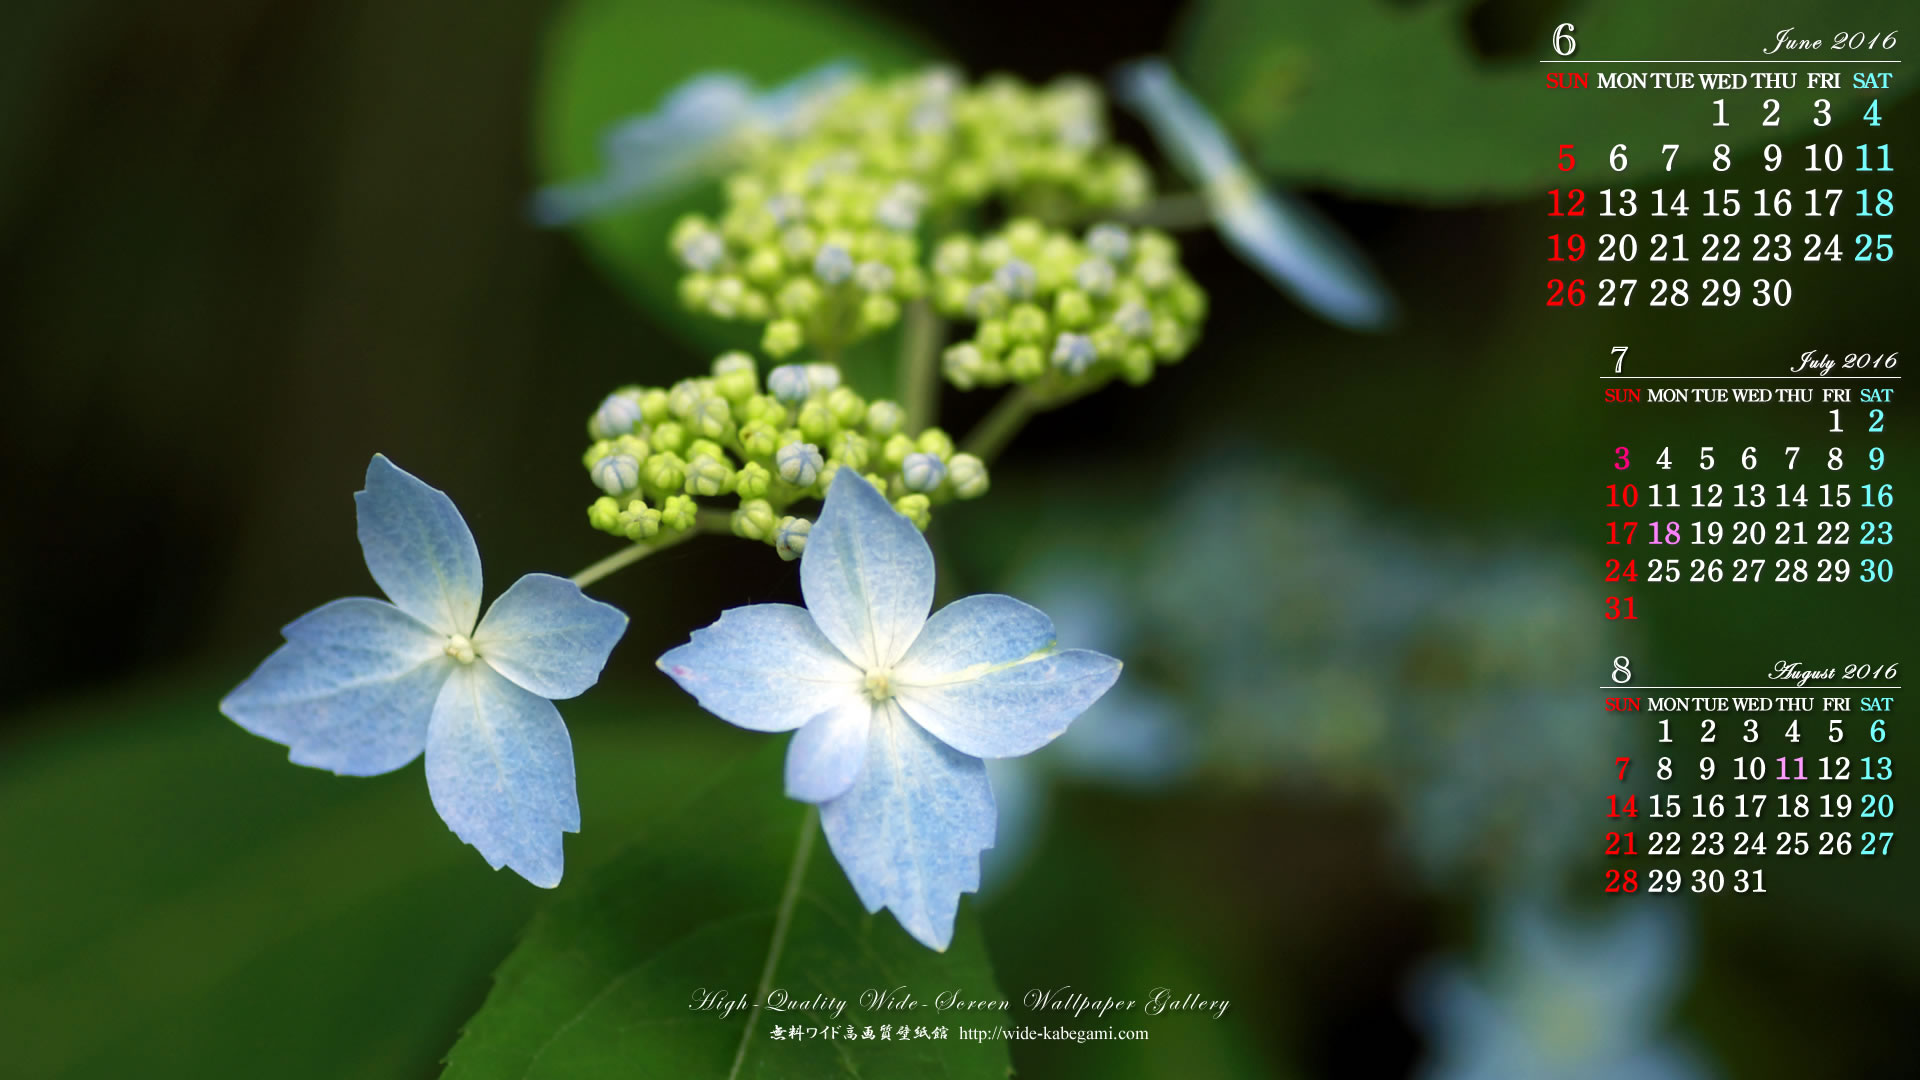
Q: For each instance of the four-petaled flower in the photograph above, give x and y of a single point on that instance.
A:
(894, 710)
(691, 135)
(362, 687)
(1285, 239)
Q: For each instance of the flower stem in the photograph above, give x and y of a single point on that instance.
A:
(995, 430)
(1187, 210)
(919, 377)
(708, 521)
(782, 919)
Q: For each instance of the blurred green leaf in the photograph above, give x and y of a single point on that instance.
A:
(183, 902)
(603, 984)
(1391, 100)
(606, 60)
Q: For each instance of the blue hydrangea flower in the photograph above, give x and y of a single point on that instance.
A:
(1290, 244)
(892, 710)
(362, 687)
(1562, 1001)
(692, 135)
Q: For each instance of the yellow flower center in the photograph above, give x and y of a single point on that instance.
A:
(879, 685)
(460, 648)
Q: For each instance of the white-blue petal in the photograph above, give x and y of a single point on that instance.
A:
(418, 548)
(910, 830)
(867, 574)
(651, 155)
(1285, 239)
(827, 752)
(352, 691)
(791, 105)
(500, 770)
(1301, 254)
(1011, 709)
(982, 678)
(765, 668)
(548, 636)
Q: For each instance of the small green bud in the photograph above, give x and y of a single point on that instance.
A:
(684, 395)
(895, 450)
(963, 365)
(936, 442)
(951, 297)
(992, 337)
(816, 421)
(878, 312)
(1108, 342)
(604, 514)
(799, 464)
(597, 451)
(799, 244)
(1154, 244)
(1074, 353)
(668, 436)
(833, 264)
(708, 476)
(678, 513)
(848, 407)
(633, 446)
(1136, 364)
(985, 302)
(616, 474)
(822, 377)
(798, 299)
(874, 277)
(790, 537)
(1027, 325)
(664, 472)
(764, 266)
(752, 481)
(917, 508)
(922, 472)
(884, 418)
(967, 475)
(759, 439)
(1095, 277)
(783, 337)
(711, 417)
(954, 257)
(702, 251)
(1073, 309)
(654, 405)
(696, 291)
(735, 378)
(1133, 319)
(900, 208)
(617, 415)
(1155, 274)
(788, 383)
(706, 448)
(754, 520)
(851, 448)
(1111, 242)
(1026, 363)
(1016, 279)
(638, 521)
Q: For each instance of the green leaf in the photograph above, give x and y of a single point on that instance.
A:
(184, 902)
(1390, 100)
(606, 60)
(604, 984)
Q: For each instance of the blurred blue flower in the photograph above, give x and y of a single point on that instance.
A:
(1283, 238)
(1562, 1000)
(362, 687)
(893, 711)
(690, 137)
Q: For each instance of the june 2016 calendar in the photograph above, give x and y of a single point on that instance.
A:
(842, 538)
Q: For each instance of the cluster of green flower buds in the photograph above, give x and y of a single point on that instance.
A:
(658, 452)
(819, 238)
(1077, 310)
